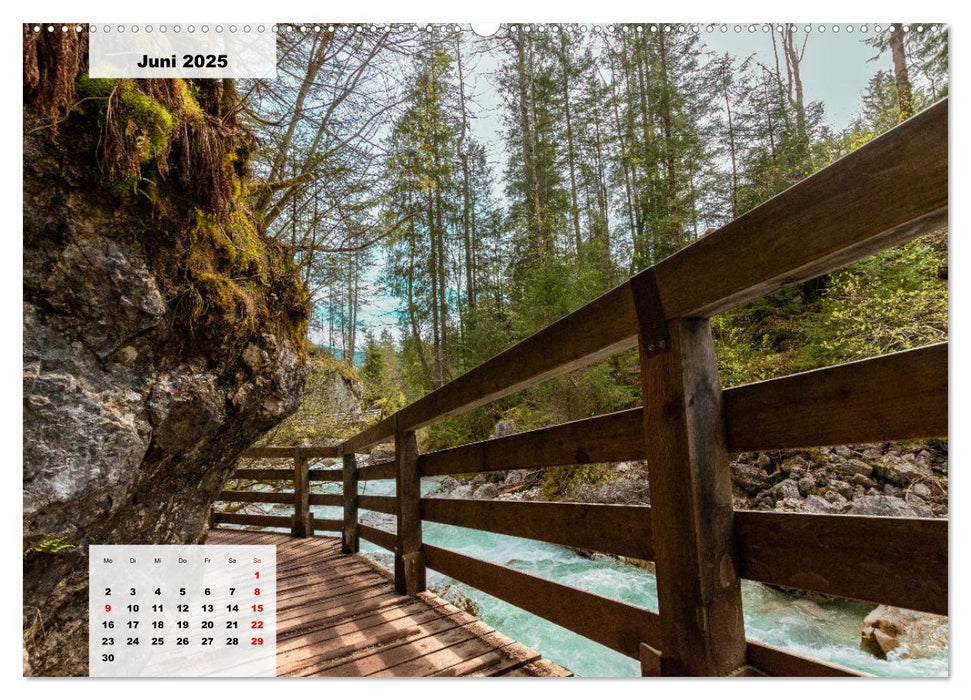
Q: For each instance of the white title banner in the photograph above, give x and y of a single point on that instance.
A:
(183, 51)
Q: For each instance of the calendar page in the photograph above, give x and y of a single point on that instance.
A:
(602, 345)
(182, 610)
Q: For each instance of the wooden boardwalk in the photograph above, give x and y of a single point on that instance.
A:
(339, 615)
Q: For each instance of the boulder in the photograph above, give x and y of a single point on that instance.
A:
(903, 633)
(882, 505)
(504, 428)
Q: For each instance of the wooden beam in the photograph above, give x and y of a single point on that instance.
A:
(381, 431)
(779, 662)
(263, 474)
(327, 525)
(614, 437)
(883, 194)
(896, 561)
(381, 504)
(301, 488)
(281, 497)
(613, 529)
(326, 499)
(248, 519)
(699, 594)
(350, 542)
(382, 538)
(287, 452)
(864, 401)
(332, 475)
(409, 560)
(618, 626)
(373, 472)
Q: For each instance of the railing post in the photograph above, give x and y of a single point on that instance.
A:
(409, 560)
(350, 542)
(699, 594)
(302, 526)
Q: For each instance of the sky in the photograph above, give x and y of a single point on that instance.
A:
(835, 71)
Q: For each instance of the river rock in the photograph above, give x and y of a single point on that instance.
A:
(486, 491)
(504, 428)
(881, 505)
(905, 633)
(788, 489)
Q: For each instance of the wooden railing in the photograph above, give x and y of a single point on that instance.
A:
(888, 192)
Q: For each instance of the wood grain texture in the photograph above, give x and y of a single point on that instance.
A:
(613, 529)
(287, 452)
(699, 593)
(326, 499)
(779, 662)
(619, 626)
(302, 526)
(382, 538)
(885, 193)
(332, 475)
(327, 525)
(409, 566)
(614, 437)
(262, 474)
(248, 519)
(339, 615)
(282, 497)
(896, 561)
(381, 504)
(373, 472)
(350, 542)
(893, 397)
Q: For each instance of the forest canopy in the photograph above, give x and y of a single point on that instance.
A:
(473, 190)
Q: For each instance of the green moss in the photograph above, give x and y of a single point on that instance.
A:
(153, 122)
(91, 88)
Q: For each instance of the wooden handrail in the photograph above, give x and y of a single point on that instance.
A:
(885, 193)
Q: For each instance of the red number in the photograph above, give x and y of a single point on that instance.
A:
(258, 608)
(107, 608)
(256, 641)
(256, 591)
(256, 625)
(257, 574)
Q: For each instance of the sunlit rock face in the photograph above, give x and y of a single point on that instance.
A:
(130, 429)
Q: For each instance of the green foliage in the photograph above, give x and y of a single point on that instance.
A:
(51, 544)
(557, 481)
(317, 419)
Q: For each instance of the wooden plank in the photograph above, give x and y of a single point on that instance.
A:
(779, 662)
(381, 504)
(865, 401)
(302, 526)
(619, 626)
(281, 497)
(252, 519)
(350, 542)
(896, 561)
(614, 529)
(328, 525)
(381, 538)
(599, 329)
(382, 431)
(887, 192)
(263, 474)
(699, 592)
(614, 437)
(326, 499)
(336, 475)
(287, 452)
(409, 563)
(381, 470)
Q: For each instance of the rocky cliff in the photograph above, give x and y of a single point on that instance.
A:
(162, 332)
